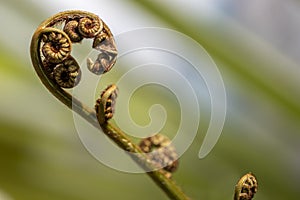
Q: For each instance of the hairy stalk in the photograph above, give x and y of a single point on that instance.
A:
(47, 34)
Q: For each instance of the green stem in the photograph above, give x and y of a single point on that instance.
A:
(115, 134)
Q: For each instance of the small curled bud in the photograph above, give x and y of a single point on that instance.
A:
(89, 28)
(107, 56)
(246, 187)
(57, 47)
(67, 74)
(105, 105)
(71, 28)
(100, 38)
(161, 152)
(101, 65)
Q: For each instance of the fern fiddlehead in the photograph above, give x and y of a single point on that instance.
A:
(51, 57)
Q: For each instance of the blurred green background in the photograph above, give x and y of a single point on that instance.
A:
(256, 47)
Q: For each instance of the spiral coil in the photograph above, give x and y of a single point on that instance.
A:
(55, 46)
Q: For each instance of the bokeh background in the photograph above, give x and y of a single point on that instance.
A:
(256, 47)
